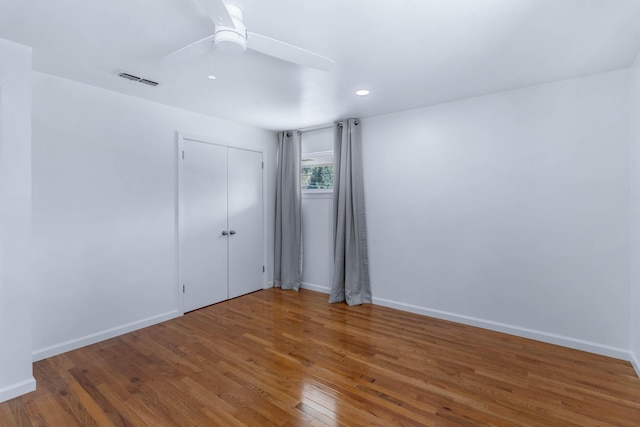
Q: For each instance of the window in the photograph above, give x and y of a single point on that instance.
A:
(317, 172)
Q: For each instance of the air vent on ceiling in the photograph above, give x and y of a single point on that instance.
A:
(138, 79)
(149, 82)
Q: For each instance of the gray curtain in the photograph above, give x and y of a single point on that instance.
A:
(288, 239)
(351, 260)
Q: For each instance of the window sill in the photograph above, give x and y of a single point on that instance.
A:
(317, 194)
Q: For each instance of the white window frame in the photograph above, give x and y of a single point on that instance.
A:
(321, 193)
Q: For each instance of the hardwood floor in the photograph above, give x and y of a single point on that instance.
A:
(290, 359)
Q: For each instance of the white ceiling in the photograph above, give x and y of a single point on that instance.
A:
(409, 53)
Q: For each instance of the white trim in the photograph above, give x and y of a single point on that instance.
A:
(317, 288)
(215, 141)
(575, 343)
(319, 154)
(317, 194)
(17, 389)
(635, 362)
(265, 236)
(56, 349)
(179, 214)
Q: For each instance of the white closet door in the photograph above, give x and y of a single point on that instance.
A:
(203, 247)
(246, 257)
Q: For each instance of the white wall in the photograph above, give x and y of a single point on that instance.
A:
(635, 213)
(15, 220)
(509, 211)
(104, 209)
(317, 222)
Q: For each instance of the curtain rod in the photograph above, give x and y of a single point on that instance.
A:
(318, 128)
(322, 127)
(311, 129)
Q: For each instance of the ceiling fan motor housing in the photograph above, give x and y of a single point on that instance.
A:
(232, 39)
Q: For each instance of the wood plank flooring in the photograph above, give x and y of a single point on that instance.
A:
(280, 358)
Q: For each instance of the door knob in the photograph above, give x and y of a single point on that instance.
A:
(232, 232)
(225, 232)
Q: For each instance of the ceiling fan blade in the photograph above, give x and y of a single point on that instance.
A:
(191, 51)
(287, 52)
(217, 11)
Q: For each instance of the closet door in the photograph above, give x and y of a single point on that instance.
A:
(246, 246)
(203, 247)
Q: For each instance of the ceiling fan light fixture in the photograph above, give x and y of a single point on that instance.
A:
(232, 40)
(231, 37)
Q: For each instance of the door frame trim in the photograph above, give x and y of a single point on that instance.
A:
(180, 138)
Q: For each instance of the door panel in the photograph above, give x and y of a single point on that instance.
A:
(203, 248)
(246, 246)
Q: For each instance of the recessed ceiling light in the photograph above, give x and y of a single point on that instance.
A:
(211, 77)
(362, 92)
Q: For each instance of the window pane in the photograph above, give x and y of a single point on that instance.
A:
(317, 177)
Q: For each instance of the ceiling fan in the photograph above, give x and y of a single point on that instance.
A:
(231, 36)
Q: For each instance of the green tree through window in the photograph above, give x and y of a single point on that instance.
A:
(317, 177)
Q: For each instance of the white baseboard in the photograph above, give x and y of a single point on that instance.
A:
(317, 288)
(54, 350)
(635, 362)
(17, 389)
(578, 344)
(575, 343)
